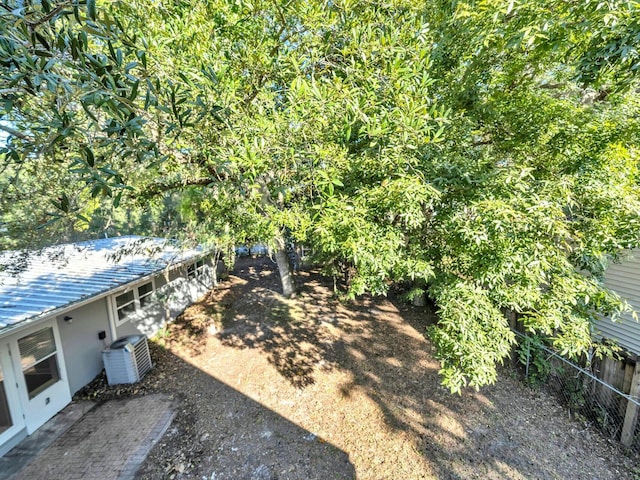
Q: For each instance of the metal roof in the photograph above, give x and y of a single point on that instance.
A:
(37, 284)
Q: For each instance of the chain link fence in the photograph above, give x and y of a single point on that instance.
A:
(588, 398)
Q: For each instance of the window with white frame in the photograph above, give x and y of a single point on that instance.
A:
(125, 305)
(38, 361)
(131, 301)
(196, 269)
(144, 293)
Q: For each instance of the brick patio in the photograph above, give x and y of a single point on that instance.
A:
(109, 442)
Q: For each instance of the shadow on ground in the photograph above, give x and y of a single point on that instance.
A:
(379, 350)
(220, 433)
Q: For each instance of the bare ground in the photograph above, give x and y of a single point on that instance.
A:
(310, 388)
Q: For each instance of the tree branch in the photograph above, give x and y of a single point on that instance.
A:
(15, 133)
(48, 16)
(167, 186)
(552, 86)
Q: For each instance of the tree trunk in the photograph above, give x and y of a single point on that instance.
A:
(419, 299)
(214, 263)
(284, 268)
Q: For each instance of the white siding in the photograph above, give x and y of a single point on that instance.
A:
(624, 279)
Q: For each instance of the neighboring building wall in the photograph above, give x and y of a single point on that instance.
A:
(80, 344)
(624, 279)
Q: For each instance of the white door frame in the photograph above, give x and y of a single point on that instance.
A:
(11, 392)
(47, 403)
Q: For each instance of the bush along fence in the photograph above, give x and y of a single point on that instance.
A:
(605, 394)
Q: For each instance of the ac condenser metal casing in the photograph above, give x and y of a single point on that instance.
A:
(127, 359)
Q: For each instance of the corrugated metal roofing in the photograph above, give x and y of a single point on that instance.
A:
(35, 284)
(624, 279)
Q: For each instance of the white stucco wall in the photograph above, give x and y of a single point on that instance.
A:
(80, 344)
(172, 299)
(79, 337)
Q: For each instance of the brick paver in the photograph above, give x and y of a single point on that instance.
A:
(109, 442)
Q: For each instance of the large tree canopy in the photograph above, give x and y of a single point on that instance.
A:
(483, 151)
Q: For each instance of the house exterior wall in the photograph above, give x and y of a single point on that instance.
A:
(31, 405)
(92, 309)
(624, 279)
(172, 299)
(80, 344)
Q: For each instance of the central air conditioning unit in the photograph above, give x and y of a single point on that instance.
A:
(127, 359)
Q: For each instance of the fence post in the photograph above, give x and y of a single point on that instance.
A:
(631, 416)
(512, 317)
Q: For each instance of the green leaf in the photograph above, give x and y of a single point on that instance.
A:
(88, 155)
(91, 9)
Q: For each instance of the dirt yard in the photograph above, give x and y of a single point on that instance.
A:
(311, 388)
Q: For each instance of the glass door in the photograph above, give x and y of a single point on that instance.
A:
(5, 414)
(11, 419)
(39, 365)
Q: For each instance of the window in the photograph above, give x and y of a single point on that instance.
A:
(125, 305)
(144, 293)
(195, 269)
(38, 360)
(133, 300)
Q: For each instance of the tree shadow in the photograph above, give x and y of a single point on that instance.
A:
(295, 340)
(378, 346)
(217, 432)
(230, 436)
